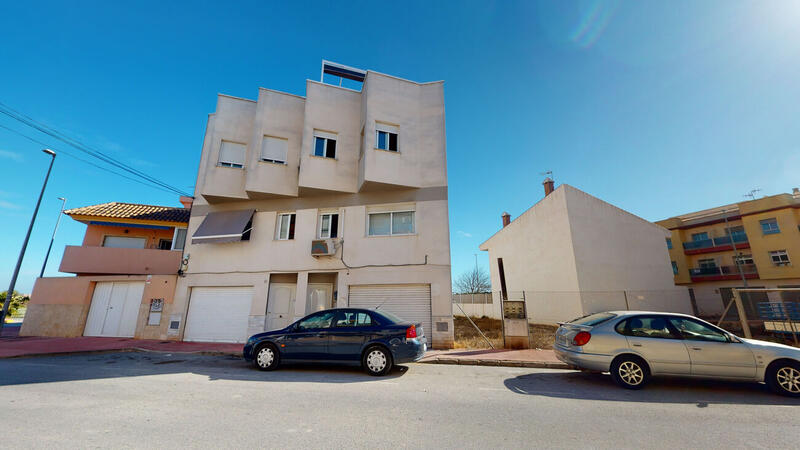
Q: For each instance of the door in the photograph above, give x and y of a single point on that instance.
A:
(280, 305)
(712, 353)
(308, 340)
(411, 302)
(349, 331)
(320, 297)
(658, 342)
(218, 314)
(114, 309)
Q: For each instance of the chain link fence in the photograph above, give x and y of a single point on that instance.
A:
(771, 314)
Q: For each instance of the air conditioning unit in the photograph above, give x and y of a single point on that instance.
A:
(323, 247)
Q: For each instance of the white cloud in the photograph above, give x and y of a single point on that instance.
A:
(8, 205)
(463, 234)
(10, 155)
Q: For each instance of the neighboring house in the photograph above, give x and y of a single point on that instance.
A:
(767, 239)
(335, 199)
(129, 260)
(573, 254)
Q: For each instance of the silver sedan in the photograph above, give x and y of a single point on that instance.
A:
(635, 345)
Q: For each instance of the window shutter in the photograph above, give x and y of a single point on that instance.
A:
(274, 149)
(232, 153)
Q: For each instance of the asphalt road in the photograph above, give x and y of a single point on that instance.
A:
(175, 401)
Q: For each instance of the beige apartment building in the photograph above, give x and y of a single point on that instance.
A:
(335, 199)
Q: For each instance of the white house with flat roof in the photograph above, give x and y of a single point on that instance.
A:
(337, 198)
(573, 254)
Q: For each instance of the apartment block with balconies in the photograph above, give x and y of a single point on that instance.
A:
(335, 198)
(720, 248)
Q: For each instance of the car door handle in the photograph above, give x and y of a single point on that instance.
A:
(637, 345)
(696, 348)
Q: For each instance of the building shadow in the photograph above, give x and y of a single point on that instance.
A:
(590, 386)
(19, 371)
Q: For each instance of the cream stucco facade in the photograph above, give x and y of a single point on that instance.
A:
(360, 180)
(574, 254)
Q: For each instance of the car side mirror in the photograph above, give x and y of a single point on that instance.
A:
(733, 339)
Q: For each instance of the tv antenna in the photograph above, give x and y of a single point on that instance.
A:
(752, 194)
(549, 173)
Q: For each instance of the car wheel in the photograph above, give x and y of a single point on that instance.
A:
(630, 372)
(377, 361)
(266, 357)
(784, 378)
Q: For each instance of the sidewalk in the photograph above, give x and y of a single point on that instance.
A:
(496, 357)
(13, 347)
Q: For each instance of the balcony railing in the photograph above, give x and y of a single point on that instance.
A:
(111, 260)
(724, 241)
(723, 272)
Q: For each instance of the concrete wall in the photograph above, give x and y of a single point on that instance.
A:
(96, 233)
(110, 260)
(574, 254)
(59, 305)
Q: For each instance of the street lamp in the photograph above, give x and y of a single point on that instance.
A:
(53, 238)
(10, 292)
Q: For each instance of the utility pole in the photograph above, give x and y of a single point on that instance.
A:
(10, 292)
(53, 238)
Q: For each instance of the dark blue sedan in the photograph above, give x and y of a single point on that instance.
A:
(375, 339)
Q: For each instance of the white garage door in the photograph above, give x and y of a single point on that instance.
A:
(218, 314)
(411, 302)
(114, 309)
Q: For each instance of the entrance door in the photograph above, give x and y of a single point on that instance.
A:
(280, 305)
(114, 309)
(320, 297)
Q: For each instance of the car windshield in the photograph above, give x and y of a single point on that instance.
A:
(391, 317)
(593, 319)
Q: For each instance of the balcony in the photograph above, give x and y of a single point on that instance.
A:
(721, 273)
(718, 244)
(119, 261)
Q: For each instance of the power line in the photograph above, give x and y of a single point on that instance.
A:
(52, 132)
(71, 155)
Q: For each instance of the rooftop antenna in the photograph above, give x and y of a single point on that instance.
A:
(752, 194)
(548, 173)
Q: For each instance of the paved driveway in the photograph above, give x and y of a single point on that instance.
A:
(160, 400)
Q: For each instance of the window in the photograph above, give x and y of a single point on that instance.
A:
(779, 257)
(770, 226)
(734, 230)
(386, 138)
(124, 242)
(743, 259)
(232, 154)
(274, 149)
(391, 223)
(669, 243)
(707, 263)
(593, 319)
(179, 239)
(648, 327)
(321, 320)
(324, 144)
(352, 319)
(328, 225)
(700, 236)
(695, 331)
(165, 244)
(285, 229)
(674, 268)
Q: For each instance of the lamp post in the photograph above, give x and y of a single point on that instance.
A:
(10, 292)
(53, 238)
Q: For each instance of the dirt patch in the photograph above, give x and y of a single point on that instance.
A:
(466, 336)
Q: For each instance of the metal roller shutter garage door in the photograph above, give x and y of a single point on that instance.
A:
(218, 314)
(408, 301)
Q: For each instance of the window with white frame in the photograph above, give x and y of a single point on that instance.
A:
(386, 137)
(779, 257)
(179, 239)
(707, 263)
(274, 149)
(232, 154)
(324, 144)
(770, 226)
(285, 228)
(743, 259)
(328, 225)
(391, 223)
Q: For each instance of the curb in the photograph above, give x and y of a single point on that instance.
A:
(497, 363)
(122, 350)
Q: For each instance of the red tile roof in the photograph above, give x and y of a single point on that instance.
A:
(118, 210)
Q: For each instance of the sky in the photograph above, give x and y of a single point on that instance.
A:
(659, 108)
